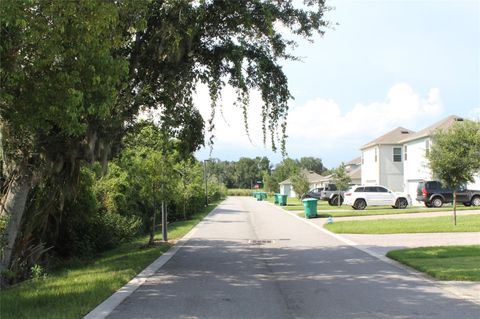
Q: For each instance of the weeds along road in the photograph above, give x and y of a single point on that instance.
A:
(249, 259)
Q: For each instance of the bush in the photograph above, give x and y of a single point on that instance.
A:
(88, 228)
(240, 191)
(216, 190)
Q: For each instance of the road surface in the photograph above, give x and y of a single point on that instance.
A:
(249, 259)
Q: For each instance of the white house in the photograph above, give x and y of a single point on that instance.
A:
(415, 149)
(382, 160)
(314, 179)
(354, 170)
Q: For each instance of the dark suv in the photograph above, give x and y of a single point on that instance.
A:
(433, 194)
(328, 193)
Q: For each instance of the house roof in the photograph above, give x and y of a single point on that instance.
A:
(312, 177)
(355, 161)
(322, 179)
(392, 137)
(440, 125)
(356, 173)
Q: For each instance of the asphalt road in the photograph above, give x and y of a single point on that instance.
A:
(249, 259)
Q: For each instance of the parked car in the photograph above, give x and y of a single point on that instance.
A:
(328, 193)
(434, 194)
(359, 197)
(313, 193)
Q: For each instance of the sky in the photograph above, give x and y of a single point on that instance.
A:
(386, 64)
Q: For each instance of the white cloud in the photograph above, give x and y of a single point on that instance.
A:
(323, 119)
(321, 126)
(229, 119)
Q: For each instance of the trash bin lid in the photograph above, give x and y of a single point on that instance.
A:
(309, 200)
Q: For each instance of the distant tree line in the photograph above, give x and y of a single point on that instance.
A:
(246, 172)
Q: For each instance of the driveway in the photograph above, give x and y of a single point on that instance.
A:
(249, 259)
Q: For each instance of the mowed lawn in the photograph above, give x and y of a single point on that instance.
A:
(325, 210)
(466, 223)
(74, 290)
(443, 262)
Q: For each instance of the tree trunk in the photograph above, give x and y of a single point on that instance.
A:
(455, 208)
(13, 208)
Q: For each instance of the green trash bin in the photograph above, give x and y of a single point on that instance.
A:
(261, 196)
(276, 200)
(282, 200)
(310, 207)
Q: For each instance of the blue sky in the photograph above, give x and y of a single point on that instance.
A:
(386, 64)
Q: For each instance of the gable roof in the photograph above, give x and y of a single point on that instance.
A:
(312, 177)
(356, 173)
(355, 161)
(442, 125)
(392, 137)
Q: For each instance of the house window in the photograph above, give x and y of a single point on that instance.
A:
(362, 158)
(427, 147)
(376, 154)
(405, 152)
(397, 154)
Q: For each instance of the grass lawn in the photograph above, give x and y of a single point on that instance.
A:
(325, 210)
(71, 292)
(444, 263)
(466, 223)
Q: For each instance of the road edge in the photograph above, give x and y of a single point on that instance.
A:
(106, 307)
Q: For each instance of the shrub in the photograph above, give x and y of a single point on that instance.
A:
(240, 192)
(88, 227)
(216, 190)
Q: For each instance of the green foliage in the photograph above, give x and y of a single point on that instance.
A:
(300, 183)
(38, 272)
(281, 172)
(340, 178)
(189, 189)
(312, 164)
(87, 228)
(240, 192)
(455, 156)
(75, 75)
(455, 153)
(244, 173)
(216, 190)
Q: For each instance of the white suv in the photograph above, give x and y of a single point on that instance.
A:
(359, 197)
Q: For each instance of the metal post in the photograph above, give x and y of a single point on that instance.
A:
(164, 222)
(206, 181)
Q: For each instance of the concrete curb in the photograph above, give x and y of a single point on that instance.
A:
(385, 259)
(108, 305)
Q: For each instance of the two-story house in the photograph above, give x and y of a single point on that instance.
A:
(382, 160)
(398, 159)
(354, 170)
